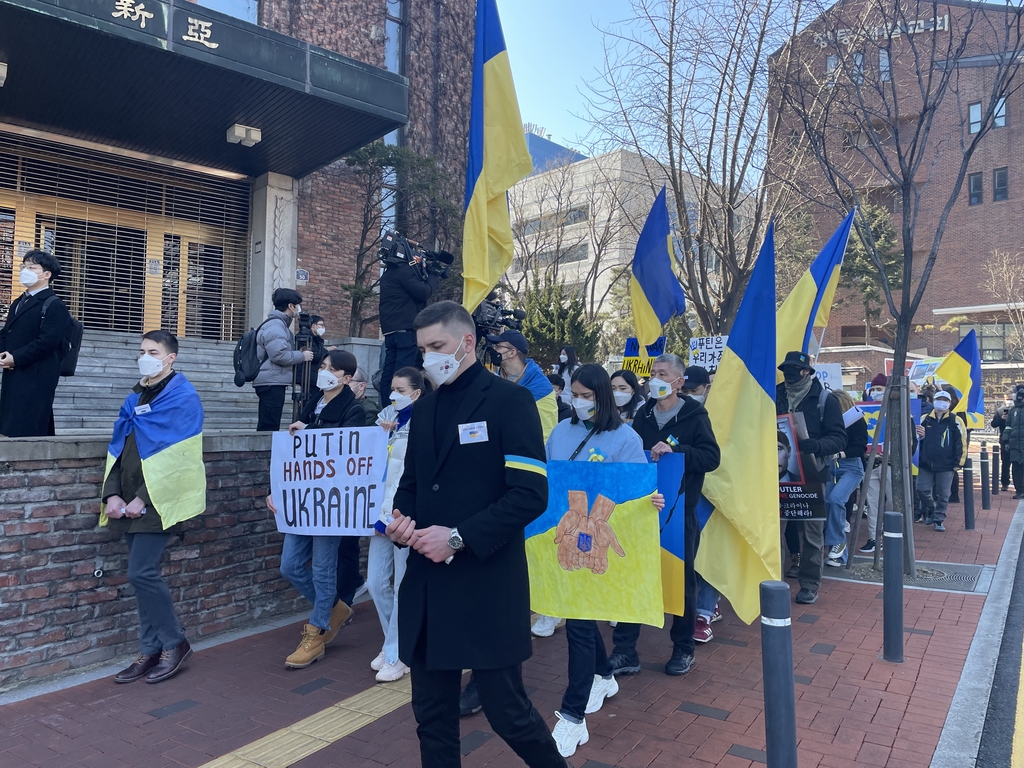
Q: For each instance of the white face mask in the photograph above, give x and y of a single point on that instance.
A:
(325, 380)
(698, 398)
(621, 398)
(563, 358)
(441, 367)
(660, 389)
(585, 409)
(298, 310)
(941, 405)
(28, 277)
(320, 331)
(149, 366)
(400, 401)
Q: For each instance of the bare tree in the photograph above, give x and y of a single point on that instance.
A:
(1005, 281)
(685, 86)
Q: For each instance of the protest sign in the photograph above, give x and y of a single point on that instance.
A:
(801, 492)
(830, 375)
(707, 351)
(641, 366)
(328, 482)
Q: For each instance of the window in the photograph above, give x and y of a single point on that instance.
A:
(999, 117)
(1000, 342)
(975, 193)
(974, 117)
(884, 70)
(393, 33)
(1000, 188)
(857, 74)
(831, 64)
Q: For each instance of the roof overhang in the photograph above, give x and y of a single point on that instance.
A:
(980, 309)
(87, 70)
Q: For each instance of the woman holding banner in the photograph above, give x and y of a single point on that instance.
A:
(337, 408)
(595, 432)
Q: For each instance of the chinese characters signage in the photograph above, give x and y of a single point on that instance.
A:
(130, 10)
(707, 351)
(200, 31)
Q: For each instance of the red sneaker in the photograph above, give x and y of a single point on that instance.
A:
(702, 633)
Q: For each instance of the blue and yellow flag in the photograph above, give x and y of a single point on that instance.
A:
(169, 436)
(962, 369)
(739, 545)
(654, 289)
(671, 472)
(594, 553)
(498, 158)
(810, 303)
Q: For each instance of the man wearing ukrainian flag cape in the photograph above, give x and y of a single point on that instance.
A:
(154, 480)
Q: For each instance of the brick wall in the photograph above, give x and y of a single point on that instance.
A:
(55, 615)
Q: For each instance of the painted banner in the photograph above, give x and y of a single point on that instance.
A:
(328, 482)
(871, 410)
(595, 552)
(633, 361)
(707, 351)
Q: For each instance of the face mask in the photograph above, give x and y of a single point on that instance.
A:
(441, 367)
(149, 366)
(400, 401)
(660, 389)
(563, 358)
(325, 380)
(621, 398)
(698, 398)
(941, 405)
(320, 331)
(875, 396)
(585, 409)
(29, 278)
(792, 375)
(298, 310)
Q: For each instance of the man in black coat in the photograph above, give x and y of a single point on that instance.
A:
(801, 392)
(673, 423)
(404, 290)
(30, 348)
(474, 478)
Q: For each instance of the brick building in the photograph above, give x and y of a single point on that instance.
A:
(869, 54)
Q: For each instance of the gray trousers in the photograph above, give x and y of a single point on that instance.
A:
(812, 558)
(159, 628)
(934, 488)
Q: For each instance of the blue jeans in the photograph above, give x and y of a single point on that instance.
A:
(707, 598)
(841, 485)
(386, 561)
(159, 628)
(319, 583)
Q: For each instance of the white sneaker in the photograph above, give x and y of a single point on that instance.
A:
(378, 662)
(544, 626)
(363, 589)
(391, 672)
(569, 735)
(602, 689)
(846, 527)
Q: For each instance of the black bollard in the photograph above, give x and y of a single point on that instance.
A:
(777, 666)
(968, 496)
(995, 469)
(892, 587)
(986, 489)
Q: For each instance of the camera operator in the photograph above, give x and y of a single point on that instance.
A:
(275, 346)
(410, 277)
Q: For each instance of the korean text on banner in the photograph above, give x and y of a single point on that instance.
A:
(706, 351)
(328, 482)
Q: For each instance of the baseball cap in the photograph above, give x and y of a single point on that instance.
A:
(695, 376)
(797, 359)
(515, 338)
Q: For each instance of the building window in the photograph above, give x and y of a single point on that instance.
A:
(857, 74)
(975, 192)
(974, 117)
(393, 59)
(1000, 342)
(884, 70)
(831, 65)
(999, 117)
(1000, 185)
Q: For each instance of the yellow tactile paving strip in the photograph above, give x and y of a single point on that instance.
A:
(302, 739)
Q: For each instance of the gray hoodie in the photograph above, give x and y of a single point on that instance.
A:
(275, 347)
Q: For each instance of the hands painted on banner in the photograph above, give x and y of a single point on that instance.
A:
(431, 542)
(584, 539)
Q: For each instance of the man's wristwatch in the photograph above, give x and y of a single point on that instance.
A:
(455, 540)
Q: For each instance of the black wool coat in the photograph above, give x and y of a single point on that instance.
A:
(475, 612)
(26, 394)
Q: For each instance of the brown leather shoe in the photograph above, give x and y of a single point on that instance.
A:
(310, 649)
(171, 663)
(138, 668)
(341, 613)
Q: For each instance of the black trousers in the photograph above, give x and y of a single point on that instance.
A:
(271, 408)
(1017, 469)
(587, 657)
(399, 351)
(1004, 467)
(435, 703)
(625, 636)
(159, 628)
(349, 577)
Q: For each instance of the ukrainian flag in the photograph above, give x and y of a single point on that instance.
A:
(962, 369)
(739, 510)
(654, 289)
(671, 471)
(169, 437)
(498, 158)
(809, 305)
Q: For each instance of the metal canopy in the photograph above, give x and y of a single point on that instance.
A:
(170, 78)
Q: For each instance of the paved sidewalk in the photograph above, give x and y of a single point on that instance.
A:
(853, 709)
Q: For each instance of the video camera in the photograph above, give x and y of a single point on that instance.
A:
(398, 250)
(491, 317)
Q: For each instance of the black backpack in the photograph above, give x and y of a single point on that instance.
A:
(71, 344)
(246, 357)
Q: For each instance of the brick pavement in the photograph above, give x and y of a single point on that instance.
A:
(853, 709)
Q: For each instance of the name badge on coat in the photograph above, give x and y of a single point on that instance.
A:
(473, 433)
(141, 409)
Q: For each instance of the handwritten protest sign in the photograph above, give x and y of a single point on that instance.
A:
(328, 482)
(830, 375)
(633, 361)
(707, 351)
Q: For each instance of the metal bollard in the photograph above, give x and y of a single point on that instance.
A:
(892, 588)
(777, 666)
(968, 474)
(986, 489)
(995, 469)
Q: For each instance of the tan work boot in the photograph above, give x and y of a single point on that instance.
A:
(310, 649)
(340, 614)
